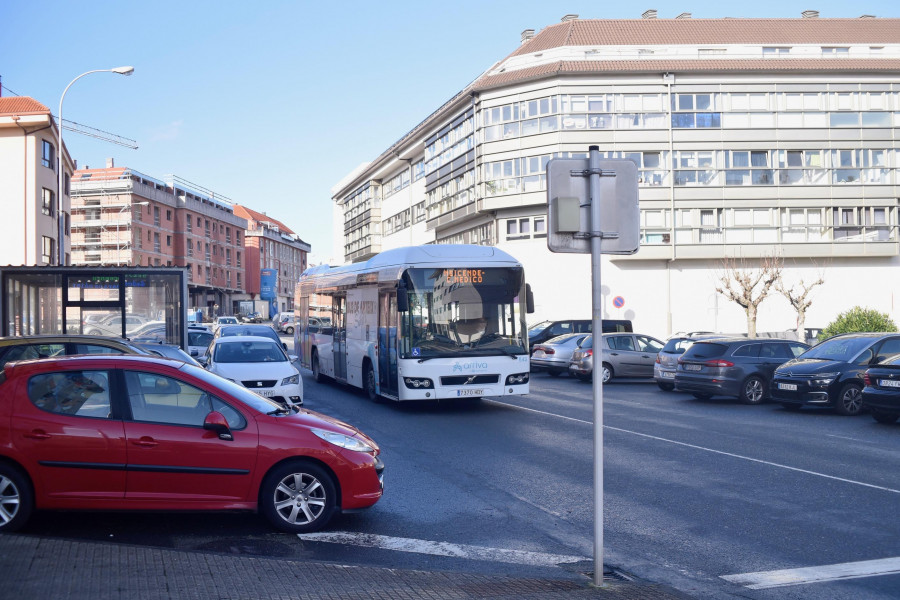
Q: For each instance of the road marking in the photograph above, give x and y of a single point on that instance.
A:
(852, 570)
(695, 447)
(368, 540)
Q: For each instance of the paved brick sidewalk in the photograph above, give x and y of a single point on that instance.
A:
(33, 567)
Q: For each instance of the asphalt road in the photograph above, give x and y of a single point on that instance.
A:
(694, 491)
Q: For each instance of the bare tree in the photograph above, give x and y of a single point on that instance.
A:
(798, 296)
(748, 287)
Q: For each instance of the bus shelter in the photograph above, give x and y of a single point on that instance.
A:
(146, 304)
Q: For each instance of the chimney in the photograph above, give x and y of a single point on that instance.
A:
(568, 18)
(649, 14)
(527, 34)
(684, 16)
(110, 163)
(810, 14)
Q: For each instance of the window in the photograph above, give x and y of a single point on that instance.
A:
(156, 216)
(168, 215)
(48, 250)
(47, 201)
(81, 393)
(775, 51)
(169, 241)
(48, 155)
(835, 51)
(159, 399)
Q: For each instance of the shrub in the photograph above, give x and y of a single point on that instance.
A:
(858, 319)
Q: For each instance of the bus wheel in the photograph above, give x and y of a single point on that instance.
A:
(317, 374)
(369, 382)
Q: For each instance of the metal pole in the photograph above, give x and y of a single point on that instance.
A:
(597, 329)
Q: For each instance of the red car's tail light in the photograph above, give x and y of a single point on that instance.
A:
(546, 350)
(867, 379)
(588, 352)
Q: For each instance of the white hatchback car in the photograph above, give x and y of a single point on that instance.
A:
(257, 363)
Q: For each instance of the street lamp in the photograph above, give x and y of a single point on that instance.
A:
(119, 224)
(60, 242)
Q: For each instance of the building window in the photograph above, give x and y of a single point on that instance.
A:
(156, 247)
(238, 261)
(156, 216)
(169, 241)
(48, 155)
(48, 250)
(190, 224)
(168, 215)
(835, 51)
(190, 248)
(775, 51)
(47, 201)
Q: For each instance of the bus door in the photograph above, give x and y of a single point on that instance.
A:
(339, 346)
(387, 342)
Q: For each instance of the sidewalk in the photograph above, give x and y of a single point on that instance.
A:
(35, 567)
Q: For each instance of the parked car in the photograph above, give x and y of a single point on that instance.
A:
(881, 396)
(667, 358)
(737, 367)
(47, 346)
(545, 330)
(257, 363)
(251, 329)
(831, 373)
(285, 323)
(254, 317)
(553, 356)
(622, 355)
(168, 351)
(174, 437)
(198, 341)
(111, 325)
(220, 321)
(199, 327)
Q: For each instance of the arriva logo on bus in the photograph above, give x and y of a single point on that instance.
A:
(470, 366)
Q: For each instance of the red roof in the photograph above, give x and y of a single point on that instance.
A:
(252, 215)
(679, 32)
(22, 105)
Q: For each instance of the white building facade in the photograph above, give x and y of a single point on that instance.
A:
(753, 138)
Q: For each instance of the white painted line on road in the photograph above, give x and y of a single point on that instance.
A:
(853, 570)
(695, 447)
(368, 540)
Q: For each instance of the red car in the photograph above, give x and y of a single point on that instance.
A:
(143, 433)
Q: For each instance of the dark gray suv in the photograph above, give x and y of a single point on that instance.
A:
(737, 367)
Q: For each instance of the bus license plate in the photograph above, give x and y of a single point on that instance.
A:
(889, 383)
(788, 386)
(478, 392)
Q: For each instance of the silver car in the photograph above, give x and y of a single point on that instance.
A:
(623, 355)
(553, 355)
(667, 359)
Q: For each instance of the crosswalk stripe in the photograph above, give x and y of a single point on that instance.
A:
(368, 540)
(851, 570)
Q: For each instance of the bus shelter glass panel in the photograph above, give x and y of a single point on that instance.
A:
(464, 312)
(33, 304)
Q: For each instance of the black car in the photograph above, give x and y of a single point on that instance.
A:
(737, 367)
(881, 396)
(831, 374)
(545, 330)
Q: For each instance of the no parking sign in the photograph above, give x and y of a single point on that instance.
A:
(618, 301)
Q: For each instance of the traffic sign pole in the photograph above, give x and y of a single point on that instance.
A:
(597, 329)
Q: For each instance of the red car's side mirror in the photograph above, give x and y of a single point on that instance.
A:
(215, 421)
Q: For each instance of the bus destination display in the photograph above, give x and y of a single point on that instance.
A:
(463, 276)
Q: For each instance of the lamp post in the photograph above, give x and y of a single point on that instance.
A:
(60, 242)
(119, 225)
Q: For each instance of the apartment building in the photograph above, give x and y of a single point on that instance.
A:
(752, 137)
(29, 176)
(123, 217)
(270, 244)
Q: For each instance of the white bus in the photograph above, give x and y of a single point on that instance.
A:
(418, 323)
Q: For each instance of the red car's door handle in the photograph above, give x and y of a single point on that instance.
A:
(37, 434)
(145, 442)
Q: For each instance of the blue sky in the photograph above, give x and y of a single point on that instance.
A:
(272, 104)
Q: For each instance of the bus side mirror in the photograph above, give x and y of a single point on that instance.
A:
(402, 298)
(529, 299)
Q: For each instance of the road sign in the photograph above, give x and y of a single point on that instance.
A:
(569, 206)
(618, 301)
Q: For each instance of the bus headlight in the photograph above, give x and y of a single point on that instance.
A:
(418, 383)
(517, 379)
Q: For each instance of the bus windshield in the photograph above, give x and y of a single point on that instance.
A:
(464, 312)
